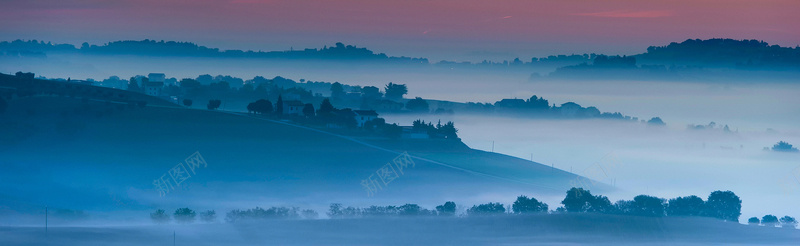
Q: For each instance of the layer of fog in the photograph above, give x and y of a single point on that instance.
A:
(641, 159)
(664, 162)
(742, 104)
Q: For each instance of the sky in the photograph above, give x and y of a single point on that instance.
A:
(438, 29)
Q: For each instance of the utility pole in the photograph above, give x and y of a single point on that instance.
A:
(45, 220)
(492, 146)
(173, 238)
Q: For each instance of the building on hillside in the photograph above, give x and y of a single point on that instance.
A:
(293, 107)
(363, 116)
(153, 88)
(156, 77)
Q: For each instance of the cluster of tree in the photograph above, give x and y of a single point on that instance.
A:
(539, 107)
(773, 221)
(370, 97)
(183, 216)
(711, 126)
(213, 104)
(337, 211)
(258, 213)
(418, 105)
(723, 205)
(447, 131)
(784, 147)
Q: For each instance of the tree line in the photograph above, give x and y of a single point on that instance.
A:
(723, 205)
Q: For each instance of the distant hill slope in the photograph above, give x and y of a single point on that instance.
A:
(26, 85)
(746, 54)
(75, 154)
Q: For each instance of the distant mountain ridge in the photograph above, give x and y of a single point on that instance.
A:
(711, 52)
(188, 49)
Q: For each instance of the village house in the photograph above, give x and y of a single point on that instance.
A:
(293, 107)
(363, 116)
(153, 88)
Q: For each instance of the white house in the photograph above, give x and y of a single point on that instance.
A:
(362, 116)
(153, 88)
(293, 107)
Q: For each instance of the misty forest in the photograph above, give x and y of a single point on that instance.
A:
(399, 123)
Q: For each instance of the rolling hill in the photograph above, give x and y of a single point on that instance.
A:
(100, 156)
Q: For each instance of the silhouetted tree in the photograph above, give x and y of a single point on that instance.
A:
(413, 210)
(325, 108)
(447, 209)
(448, 130)
(209, 216)
(279, 105)
(336, 210)
(160, 216)
(724, 205)
(189, 83)
(184, 215)
(337, 90)
(769, 220)
(308, 110)
(685, 206)
(187, 102)
(309, 214)
(261, 106)
(784, 147)
(624, 207)
(788, 222)
(371, 92)
(656, 121)
(395, 91)
(580, 200)
(133, 85)
(644, 205)
(525, 205)
(418, 105)
(213, 104)
(486, 209)
(753, 221)
(538, 103)
(258, 213)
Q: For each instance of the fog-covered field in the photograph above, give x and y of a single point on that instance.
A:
(504, 230)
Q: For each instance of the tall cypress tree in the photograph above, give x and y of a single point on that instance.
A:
(279, 105)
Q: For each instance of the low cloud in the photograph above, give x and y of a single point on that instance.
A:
(629, 14)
